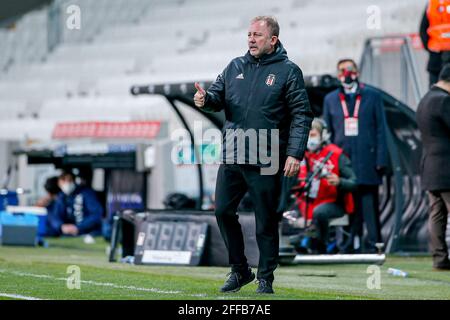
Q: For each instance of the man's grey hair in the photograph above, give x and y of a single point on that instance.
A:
(271, 22)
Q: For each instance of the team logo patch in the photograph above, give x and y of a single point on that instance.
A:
(270, 80)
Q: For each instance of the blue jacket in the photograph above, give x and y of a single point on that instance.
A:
(368, 150)
(80, 208)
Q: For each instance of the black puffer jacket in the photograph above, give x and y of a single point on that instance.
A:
(265, 93)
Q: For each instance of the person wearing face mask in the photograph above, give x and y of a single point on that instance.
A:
(355, 117)
(76, 211)
(329, 193)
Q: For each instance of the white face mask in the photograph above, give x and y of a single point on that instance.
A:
(314, 143)
(68, 188)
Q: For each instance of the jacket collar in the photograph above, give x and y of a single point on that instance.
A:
(359, 89)
(436, 88)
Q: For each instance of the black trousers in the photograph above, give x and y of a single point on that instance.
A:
(437, 226)
(366, 213)
(233, 181)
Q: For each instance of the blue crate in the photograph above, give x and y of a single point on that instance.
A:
(18, 219)
(18, 228)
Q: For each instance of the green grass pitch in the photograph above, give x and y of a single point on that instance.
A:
(41, 273)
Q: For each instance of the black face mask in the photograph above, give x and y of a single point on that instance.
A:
(349, 80)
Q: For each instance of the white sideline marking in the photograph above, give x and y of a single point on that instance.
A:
(101, 284)
(17, 296)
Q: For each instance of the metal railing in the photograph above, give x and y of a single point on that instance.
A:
(390, 63)
(396, 65)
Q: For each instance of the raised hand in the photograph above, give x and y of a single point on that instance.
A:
(199, 97)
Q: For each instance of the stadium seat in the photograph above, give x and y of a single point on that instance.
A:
(126, 42)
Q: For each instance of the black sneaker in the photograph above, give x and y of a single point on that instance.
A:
(264, 286)
(442, 267)
(236, 280)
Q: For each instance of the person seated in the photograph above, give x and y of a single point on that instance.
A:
(76, 211)
(48, 201)
(326, 180)
(52, 189)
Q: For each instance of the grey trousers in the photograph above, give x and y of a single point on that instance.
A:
(437, 226)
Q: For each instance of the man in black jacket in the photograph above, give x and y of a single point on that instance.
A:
(265, 101)
(433, 119)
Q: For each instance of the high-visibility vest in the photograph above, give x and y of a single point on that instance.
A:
(438, 14)
(326, 193)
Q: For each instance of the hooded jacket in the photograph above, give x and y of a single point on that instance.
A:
(265, 93)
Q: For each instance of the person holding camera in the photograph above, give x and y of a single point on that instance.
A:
(326, 181)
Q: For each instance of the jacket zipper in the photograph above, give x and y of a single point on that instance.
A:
(252, 86)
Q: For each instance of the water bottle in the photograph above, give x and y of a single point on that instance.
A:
(397, 272)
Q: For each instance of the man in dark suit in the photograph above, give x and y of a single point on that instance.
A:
(355, 117)
(433, 119)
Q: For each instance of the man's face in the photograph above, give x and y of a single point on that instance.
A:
(65, 179)
(347, 70)
(314, 133)
(259, 40)
(66, 184)
(314, 141)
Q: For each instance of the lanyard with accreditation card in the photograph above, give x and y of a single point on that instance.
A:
(350, 123)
